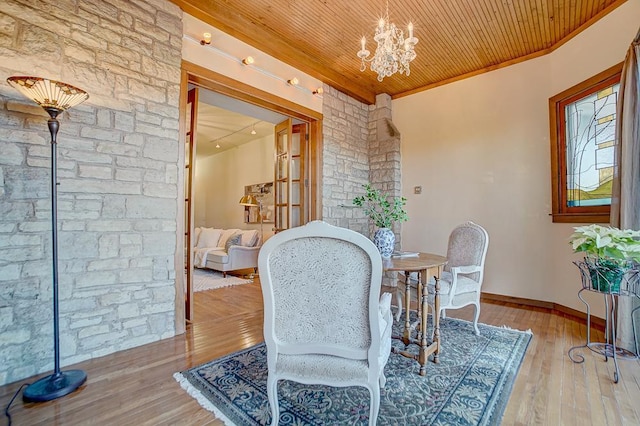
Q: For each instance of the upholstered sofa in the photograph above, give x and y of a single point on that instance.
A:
(226, 249)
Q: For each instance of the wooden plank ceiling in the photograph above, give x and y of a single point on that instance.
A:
(457, 38)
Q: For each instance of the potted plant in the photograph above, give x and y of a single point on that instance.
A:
(384, 214)
(610, 252)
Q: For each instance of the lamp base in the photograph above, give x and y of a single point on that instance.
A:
(54, 386)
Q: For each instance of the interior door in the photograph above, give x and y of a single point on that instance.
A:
(291, 208)
(189, 174)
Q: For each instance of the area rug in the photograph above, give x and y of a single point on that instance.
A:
(207, 279)
(470, 386)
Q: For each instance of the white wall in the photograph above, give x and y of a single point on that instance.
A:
(224, 55)
(220, 181)
(479, 147)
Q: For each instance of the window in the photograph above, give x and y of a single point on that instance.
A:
(583, 123)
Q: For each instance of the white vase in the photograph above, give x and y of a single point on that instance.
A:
(384, 239)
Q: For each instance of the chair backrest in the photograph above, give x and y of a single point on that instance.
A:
(468, 245)
(321, 286)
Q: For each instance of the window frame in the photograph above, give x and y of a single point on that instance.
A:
(561, 213)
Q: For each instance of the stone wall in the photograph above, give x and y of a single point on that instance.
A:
(117, 169)
(345, 159)
(384, 153)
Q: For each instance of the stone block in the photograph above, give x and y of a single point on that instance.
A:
(139, 163)
(10, 272)
(118, 149)
(130, 251)
(160, 190)
(125, 122)
(157, 131)
(79, 52)
(21, 254)
(21, 240)
(157, 308)
(96, 172)
(158, 244)
(108, 246)
(130, 239)
(108, 264)
(11, 154)
(113, 206)
(136, 322)
(85, 322)
(96, 279)
(105, 339)
(155, 176)
(135, 275)
(150, 208)
(109, 226)
(129, 175)
(99, 187)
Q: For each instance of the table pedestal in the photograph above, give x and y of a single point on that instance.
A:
(423, 264)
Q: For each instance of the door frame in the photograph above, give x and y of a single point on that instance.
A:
(216, 82)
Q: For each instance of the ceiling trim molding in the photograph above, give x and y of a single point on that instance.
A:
(221, 83)
(270, 42)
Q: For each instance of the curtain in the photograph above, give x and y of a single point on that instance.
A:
(625, 202)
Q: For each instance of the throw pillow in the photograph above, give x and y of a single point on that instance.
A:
(234, 240)
(249, 238)
(197, 232)
(226, 234)
(209, 238)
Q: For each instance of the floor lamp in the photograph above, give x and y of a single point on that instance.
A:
(252, 201)
(54, 97)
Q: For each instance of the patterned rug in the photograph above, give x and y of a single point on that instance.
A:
(470, 386)
(207, 279)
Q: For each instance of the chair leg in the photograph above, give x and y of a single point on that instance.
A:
(272, 395)
(399, 303)
(475, 319)
(375, 405)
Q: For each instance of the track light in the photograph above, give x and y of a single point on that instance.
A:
(248, 60)
(294, 81)
(318, 91)
(206, 39)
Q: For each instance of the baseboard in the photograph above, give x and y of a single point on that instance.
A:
(596, 322)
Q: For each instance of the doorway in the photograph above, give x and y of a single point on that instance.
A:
(295, 175)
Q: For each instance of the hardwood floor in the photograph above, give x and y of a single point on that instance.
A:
(136, 386)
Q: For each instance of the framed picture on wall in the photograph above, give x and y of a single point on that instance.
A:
(264, 194)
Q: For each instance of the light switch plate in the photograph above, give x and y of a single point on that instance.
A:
(417, 190)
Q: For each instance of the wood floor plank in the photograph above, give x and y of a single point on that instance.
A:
(136, 386)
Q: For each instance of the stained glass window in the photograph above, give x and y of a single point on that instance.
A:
(583, 122)
(590, 125)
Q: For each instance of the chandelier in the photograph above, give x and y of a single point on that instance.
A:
(394, 52)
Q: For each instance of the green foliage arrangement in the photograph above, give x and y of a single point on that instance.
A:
(379, 209)
(605, 242)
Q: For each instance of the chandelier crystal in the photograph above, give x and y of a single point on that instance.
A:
(394, 52)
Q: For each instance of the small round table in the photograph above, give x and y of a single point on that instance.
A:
(424, 264)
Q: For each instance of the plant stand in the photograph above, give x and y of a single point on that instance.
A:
(629, 286)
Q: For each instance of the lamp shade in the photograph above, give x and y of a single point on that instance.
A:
(248, 200)
(48, 93)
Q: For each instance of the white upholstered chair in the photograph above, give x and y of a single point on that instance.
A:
(324, 320)
(461, 280)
